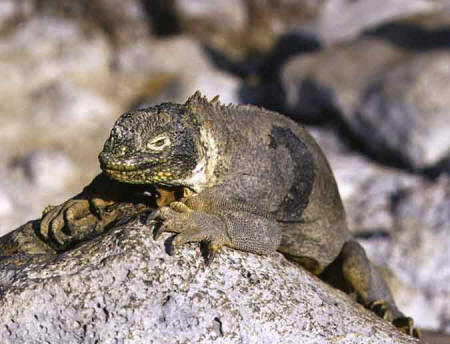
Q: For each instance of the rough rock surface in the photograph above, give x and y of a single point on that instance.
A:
(182, 67)
(368, 189)
(413, 101)
(417, 253)
(123, 287)
(236, 28)
(371, 81)
(331, 81)
(356, 16)
(402, 220)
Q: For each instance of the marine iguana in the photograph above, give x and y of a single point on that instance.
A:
(237, 176)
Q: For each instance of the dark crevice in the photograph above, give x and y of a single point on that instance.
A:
(372, 234)
(105, 310)
(413, 37)
(166, 300)
(162, 16)
(396, 199)
(219, 325)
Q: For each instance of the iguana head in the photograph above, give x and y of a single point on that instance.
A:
(158, 145)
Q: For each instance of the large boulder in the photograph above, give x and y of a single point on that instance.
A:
(416, 252)
(234, 28)
(121, 20)
(331, 82)
(406, 111)
(341, 20)
(174, 69)
(393, 101)
(124, 287)
(368, 189)
(402, 221)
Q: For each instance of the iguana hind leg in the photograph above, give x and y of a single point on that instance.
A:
(353, 273)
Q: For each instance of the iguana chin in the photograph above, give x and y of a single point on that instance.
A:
(255, 180)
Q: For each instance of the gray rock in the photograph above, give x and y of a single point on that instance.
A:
(122, 21)
(236, 28)
(394, 101)
(8, 12)
(5, 205)
(178, 67)
(123, 287)
(55, 100)
(407, 111)
(341, 20)
(321, 85)
(33, 181)
(403, 222)
(417, 253)
(367, 188)
(61, 102)
(49, 170)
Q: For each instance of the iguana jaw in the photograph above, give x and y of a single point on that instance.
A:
(151, 171)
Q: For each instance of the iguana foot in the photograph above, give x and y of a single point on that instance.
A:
(192, 226)
(79, 219)
(57, 222)
(406, 325)
(382, 309)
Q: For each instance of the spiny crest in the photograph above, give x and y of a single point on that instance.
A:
(198, 100)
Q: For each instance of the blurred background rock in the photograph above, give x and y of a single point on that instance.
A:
(370, 79)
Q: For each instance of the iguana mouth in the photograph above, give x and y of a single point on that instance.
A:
(127, 169)
(117, 174)
(136, 176)
(129, 166)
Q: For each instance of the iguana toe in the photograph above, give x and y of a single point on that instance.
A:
(406, 325)
(209, 252)
(382, 309)
(191, 226)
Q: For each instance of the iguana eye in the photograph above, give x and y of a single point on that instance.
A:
(158, 143)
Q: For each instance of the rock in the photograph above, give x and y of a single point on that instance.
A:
(49, 170)
(392, 101)
(62, 101)
(341, 20)
(62, 45)
(406, 112)
(329, 83)
(419, 32)
(235, 28)
(368, 189)
(8, 12)
(124, 287)
(61, 94)
(178, 67)
(33, 181)
(417, 253)
(123, 21)
(402, 220)
(56, 108)
(5, 204)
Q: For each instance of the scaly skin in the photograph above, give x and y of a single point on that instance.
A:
(236, 176)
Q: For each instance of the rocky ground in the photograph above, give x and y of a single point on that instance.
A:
(371, 83)
(123, 287)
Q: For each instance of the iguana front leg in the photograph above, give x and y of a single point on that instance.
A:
(89, 213)
(219, 221)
